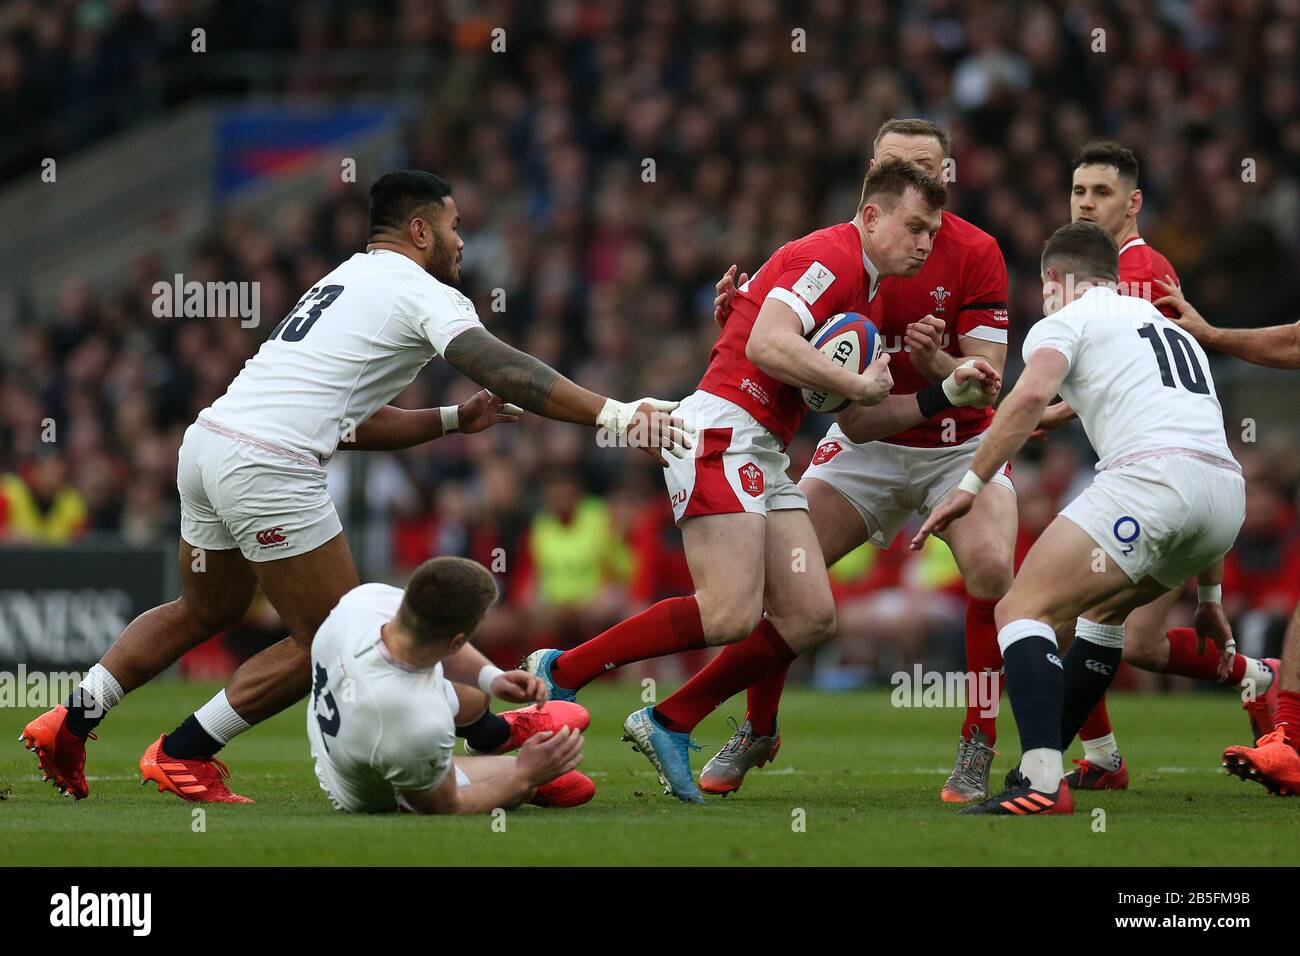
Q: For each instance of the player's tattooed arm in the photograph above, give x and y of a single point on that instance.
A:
(521, 379)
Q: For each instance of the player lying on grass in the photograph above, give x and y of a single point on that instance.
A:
(870, 474)
(1274, 761)
(1104, 189)
(743, 520)
(1167, 502)
(254, 506)
(384, 711)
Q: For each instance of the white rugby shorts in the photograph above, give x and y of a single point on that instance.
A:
(240, 492)
(888, 483)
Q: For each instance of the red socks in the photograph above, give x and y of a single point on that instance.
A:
(1098, 723)
(1288, 714)
(763, 655)
(1185, 662)
(666, 628)
(982, 655)
(762, 700)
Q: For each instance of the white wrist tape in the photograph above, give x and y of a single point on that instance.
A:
(450, 418)
(1209, 593)
(962, 394)
(616, 416)
(486, 676)
(971, 482)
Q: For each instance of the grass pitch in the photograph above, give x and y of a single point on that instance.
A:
(865, 775)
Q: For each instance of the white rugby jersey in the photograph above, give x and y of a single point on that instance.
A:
(356, 339)
(1137, 381)
(375, 725)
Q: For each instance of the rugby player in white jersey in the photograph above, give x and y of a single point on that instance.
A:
(384, 709)
(1167, 502)
(1104, 189)
(1274, 761)
(254, 507)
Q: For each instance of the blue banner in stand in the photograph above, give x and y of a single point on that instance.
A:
(262, 143)
(63, 607)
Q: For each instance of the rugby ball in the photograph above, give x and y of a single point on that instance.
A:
(848, 339)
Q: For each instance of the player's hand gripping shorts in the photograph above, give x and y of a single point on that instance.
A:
(888, 483)
(738, 465)
(239, 492)
(1167, 516)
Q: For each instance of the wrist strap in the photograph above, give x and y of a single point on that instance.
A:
(932, 400)
(1209, 593)
(486, 676)
(971, 482)
(450, 418)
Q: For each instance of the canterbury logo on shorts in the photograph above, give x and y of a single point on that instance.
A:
(271, 537)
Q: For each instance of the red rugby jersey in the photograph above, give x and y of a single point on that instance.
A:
(1139, 267)
(818, 276)
(964, 282)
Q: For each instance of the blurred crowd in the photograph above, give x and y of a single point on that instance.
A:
(608, 165)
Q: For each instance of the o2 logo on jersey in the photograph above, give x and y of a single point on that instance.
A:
(1126, 531)
(751, 479)
(826, 451)
(327, 712)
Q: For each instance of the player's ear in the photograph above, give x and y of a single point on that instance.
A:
(457, 641)
(420, 233)
(1135, 202)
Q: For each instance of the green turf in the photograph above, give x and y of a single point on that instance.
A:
(865, 775)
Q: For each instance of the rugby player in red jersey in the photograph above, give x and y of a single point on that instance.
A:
(741, 516)
(868, 478)
(1105, 191)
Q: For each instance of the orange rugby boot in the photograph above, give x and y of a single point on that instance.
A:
(1272, 762)
(202, 781)
(571, 789)
(526, 722)
(60, 752)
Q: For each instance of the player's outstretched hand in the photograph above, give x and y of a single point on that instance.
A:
(1056, 416)
(519, 687)
(876, 382)
(1185, 314)
(1211, 621)
(949, 510)
(485, 410)
(545, 756)
(653, 430)
(726, 289)
(924, 338)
